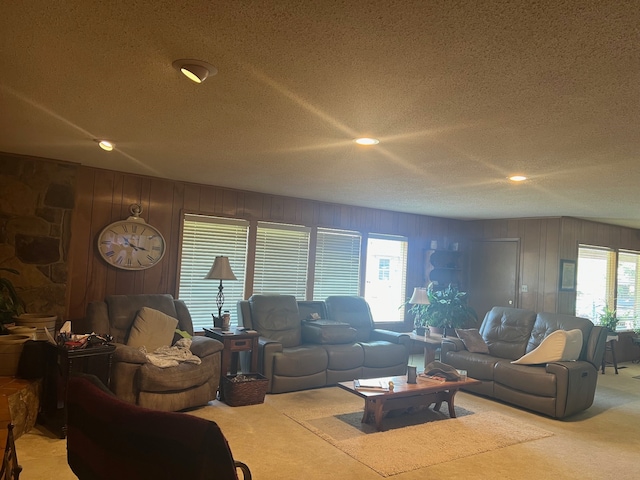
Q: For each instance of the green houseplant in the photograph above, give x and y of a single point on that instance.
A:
(448, 308)
(608, 319)
(420, 317)
(10, 303)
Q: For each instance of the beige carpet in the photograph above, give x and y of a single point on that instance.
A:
(411, 440)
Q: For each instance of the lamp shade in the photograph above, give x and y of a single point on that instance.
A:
(221, 270)
(419, 296)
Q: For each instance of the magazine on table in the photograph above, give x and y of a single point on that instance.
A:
(376, 384)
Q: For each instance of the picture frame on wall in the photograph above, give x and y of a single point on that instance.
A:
(567, 275)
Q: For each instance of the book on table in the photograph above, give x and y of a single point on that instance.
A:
(379, 384)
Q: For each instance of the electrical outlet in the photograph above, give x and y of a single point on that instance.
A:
(524, 288)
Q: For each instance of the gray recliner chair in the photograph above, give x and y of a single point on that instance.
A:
(386, 353)
(133, 378)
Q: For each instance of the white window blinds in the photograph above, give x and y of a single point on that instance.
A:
(282, 253)
(386, 277)
(337, 268)
(204, 238)
(628, 293)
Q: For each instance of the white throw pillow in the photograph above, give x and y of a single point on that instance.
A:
(152, 329)
(558, 346)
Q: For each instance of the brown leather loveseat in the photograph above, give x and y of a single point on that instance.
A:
(555, 388)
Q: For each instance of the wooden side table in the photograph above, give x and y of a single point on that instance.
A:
(431, 344)
(610, 347)
(61, 362)
(636, 342)
(235, 341)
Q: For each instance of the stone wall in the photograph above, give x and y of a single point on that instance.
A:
(36, 203)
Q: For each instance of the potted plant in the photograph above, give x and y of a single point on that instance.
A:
(10, 303)
(608, 319)
(10, 345)
(420, 318)
(448, 308)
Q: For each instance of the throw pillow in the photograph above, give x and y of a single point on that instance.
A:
(558, 346)
(152, 329)
(472, 340)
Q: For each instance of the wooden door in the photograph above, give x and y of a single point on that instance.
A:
(493, 274)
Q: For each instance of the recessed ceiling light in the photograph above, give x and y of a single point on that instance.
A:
(195, 70)
(367, 141)
(518, 178)
(105, 145)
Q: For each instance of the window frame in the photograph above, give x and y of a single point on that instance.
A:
(612, 283)
(209, 287)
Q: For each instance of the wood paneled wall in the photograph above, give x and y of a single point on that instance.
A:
(543, 243)
(104, 196)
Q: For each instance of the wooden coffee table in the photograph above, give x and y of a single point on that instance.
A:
(404, 395)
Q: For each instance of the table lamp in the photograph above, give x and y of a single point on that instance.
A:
(220, 270)
(419, 297)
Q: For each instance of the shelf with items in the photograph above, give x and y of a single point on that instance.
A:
(443, 267)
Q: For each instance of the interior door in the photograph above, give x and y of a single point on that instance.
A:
(493, 274)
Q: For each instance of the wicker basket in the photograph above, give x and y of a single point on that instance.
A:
(238, 394)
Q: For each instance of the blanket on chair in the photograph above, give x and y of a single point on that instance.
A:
(165, 357)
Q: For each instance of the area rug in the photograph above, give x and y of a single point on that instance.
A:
(410, 441)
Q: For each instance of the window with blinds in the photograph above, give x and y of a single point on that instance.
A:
(608, 278)
(282, 256)
(627, 301)
(337, 268)
(204, 238)
(595, 281)
(386, 277)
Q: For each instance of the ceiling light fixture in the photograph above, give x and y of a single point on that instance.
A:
(106, 145)
(195, 70)
(367, 141)
(518, 178)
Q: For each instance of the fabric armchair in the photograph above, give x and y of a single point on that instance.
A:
(133, 378)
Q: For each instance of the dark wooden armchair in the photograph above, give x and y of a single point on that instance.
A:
(108, 438)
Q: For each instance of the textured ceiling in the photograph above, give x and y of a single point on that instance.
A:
(460, 93)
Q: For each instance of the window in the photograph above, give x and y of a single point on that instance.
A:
(627, 301)
(204, 238)
(608, 278)
(385, 282)
(384, 265)
(595, 281)
(337, 269)
(282, 253)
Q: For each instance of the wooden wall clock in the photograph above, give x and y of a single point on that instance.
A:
(131, 244)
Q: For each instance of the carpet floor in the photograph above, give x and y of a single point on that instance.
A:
(602, 442)
(411, 440)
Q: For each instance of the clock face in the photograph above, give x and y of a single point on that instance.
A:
(131, 245)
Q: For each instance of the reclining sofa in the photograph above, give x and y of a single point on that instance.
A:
(312, 344)
(556, 388)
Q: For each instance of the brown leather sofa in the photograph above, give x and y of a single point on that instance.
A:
(296, 354)
(133, 378)
(556, 389)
